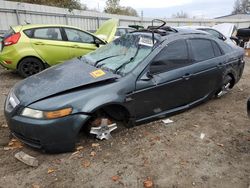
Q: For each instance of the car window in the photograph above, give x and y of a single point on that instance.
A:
(225, 47)
(28, 32)
(130, 29)
(120, 32)
(50, 33)
(213, 32)
(217, 50)
(75, 35)
(174, 55)
(202, 49)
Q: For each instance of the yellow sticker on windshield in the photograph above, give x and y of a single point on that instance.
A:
(98, 73)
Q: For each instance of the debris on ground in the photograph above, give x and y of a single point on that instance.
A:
(167, 121)
(13, 144)
(115, 178)
(4, 125)
(86, 163)
(26, 159)
(95, 145)
(79, 148)
(92, 154)
(221, 145)
(148, 183)
(35, 186)
(51, 170)
(196, 126)
(202, 136)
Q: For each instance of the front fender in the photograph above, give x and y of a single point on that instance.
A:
(98, 102)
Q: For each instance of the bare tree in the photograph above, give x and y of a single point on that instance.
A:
(241, 6)
(113, 7)
(180, 14)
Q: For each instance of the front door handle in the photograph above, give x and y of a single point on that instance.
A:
(186, 76)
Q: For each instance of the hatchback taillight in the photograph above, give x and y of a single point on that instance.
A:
(13, 39)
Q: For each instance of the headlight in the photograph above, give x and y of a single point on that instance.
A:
(38, 114)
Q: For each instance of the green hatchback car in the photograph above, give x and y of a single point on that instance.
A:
(30, 49)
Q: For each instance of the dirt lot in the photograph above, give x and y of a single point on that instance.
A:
(171, 155)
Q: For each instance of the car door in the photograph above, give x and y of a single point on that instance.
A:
(207, 68)
(49, 44)
(165, 85)
(80, 42)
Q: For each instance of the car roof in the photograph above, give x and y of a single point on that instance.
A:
(194, 27)
(161, 35)
(30, 26)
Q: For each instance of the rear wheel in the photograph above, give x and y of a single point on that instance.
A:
(227, 86)
(30, 66)
(102, 125)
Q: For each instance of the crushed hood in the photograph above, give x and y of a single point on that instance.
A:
(60, 78)
(227, 29)
(107, 30)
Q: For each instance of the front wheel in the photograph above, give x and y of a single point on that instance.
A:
(30, 66)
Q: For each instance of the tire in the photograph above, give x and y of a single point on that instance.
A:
(226, 87)
(30, 66)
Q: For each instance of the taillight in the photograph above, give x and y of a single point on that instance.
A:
(13, 39)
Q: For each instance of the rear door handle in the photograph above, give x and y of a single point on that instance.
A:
(75, 46)
(220, 65)
(186, 76)
(39, 43)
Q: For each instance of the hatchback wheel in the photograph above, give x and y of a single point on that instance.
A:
(30, 66)
(227, 86)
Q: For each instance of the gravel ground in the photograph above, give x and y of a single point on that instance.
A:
(170, 155)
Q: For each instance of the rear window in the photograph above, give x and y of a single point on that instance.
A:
(49, 33)
(224, 46)
(28, 32)
(202, 49)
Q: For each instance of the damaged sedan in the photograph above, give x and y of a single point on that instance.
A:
(139, 77)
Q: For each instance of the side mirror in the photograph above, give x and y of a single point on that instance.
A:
(98, 42)
(147, 76)
(222, 38)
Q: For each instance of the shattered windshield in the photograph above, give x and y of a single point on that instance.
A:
(123, 54)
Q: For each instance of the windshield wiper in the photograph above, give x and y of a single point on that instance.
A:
(97, 62)
(131, 59)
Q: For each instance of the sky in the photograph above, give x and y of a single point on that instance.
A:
(166, 8)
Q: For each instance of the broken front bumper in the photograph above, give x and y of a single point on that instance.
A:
(57, 135)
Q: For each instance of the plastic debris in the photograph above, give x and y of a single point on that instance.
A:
(167, 121)
(202, 136)
(26, 159)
